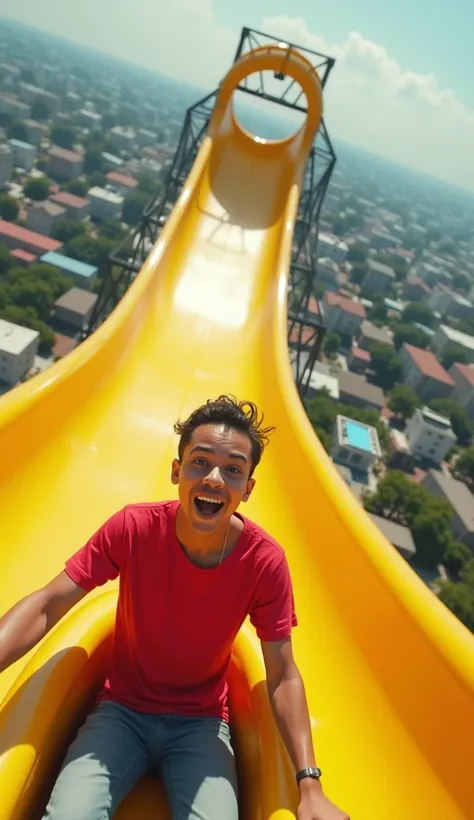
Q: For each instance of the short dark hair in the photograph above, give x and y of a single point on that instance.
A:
(234, 415)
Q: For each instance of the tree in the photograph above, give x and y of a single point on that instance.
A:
(332, 343)
(397, 498)
(37, 188)
(148, 184)
(386, 366)
(134, 206)
(78, 187)
(69, 229)
(322, 412)
(112, 229)
(90, 250)
(324, 438)
(40, 112)
(378, 313)
(418, 312)
(96, 178)
(92, 162)
(461, 281)
(464, 467)
(403, 401)
(459, 598)
(63, 135)
(5, 260)
(453, 354)
(357, 272)
(411, 335)
(456, 559)
(9, 208)
(432, 536)
(27, 76)
(462, 426)
(357, 253)
(17, 131)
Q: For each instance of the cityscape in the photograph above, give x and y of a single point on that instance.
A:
(86, 141)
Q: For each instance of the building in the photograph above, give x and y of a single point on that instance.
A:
(64, 164)
(10, 104)
(105, 204)
(358, 360)
(123, 139)
(415, 289)
(74, 308)
(463, 377)
(18, 346)
(429, 435)
(355, 445)
(383, 241)
(32, 93)
(371, 334)
(331, 247)
(356, 390)
(423, 372)
(88, 119)
(82, 274)
(6, 164)
(401, 456)
(378, 279)
(76, 206)
(24, 258)
(110, 161)
(24, 153)
(460, 498)
(14, 236)
(431, 274)
(342, 315)
(45, 217)
(121, 183)
(145, 137)
(448, 337)
(36, 131)
(399, 536)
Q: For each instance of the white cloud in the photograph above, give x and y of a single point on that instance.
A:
(371, 101)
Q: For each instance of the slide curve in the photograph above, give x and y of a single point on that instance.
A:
(389, 671)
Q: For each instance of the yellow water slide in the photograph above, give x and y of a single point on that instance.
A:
(389, 671)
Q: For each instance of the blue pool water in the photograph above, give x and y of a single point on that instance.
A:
(358, 436)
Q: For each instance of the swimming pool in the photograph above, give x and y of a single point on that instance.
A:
(358, 435)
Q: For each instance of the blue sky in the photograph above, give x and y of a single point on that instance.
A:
(402, 87)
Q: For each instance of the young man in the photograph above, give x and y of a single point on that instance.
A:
(190, 573)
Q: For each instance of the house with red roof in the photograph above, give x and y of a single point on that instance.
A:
(463, 377)
(423, 372)
(342, 314)
(14, 236)
(76, 206)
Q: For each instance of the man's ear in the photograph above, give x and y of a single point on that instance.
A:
(175, 470)
(248, 491)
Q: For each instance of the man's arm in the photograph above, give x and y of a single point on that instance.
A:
(288, 700)
(25, 624)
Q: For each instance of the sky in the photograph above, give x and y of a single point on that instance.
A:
(402, 85)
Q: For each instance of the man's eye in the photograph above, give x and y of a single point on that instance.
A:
(235, 470)
(200, 462)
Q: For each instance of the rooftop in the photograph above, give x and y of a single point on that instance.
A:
(70, 200)
(77, 300)
(64, 153)
(68, 264)
(376, 334)
(435, 419)
(14, 338)
(23, 256)
(102, 193)
(122, 179)
(399, 536)
(458, 496)
(379, 267)
(357, 386)
(20, 234)
(456, 336)
(52, 208)
(428, 364)
(337, 300)
(21, 144)
(464, 370)
(360, 353)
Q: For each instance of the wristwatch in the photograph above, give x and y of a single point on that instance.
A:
(315, 773)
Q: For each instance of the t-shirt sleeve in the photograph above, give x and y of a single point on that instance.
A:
(100, 559)
(273, 610)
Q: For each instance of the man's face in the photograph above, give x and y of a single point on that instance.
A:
(215, 466)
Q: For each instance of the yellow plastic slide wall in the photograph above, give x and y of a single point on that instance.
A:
(389, 671)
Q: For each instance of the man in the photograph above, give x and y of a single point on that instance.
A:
(190, 573)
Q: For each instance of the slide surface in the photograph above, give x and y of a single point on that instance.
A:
(389, 671)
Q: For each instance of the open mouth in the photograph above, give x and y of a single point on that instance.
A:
(207, 506)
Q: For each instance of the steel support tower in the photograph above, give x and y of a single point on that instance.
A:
(305, 324)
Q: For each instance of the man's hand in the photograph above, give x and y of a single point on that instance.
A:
(314, 805)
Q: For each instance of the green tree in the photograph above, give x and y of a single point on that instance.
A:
(386, 366)
(432, 536)
(17, 131)
(324, 438)
(6, 260)
(411, 335)
(41, 163)
(322, 412)
(96, 178)
(357, 253)
(148, 183)
(9, 208)
(400, 500)
(378, 313)
(134, 206)
(69, 229)
(461, 281)
(40, 112)
(460, 422)
(403, 401)
(456, 559)
(418, 312)
(27, 76)
(459, 598)
(78, 187)
(92, 162)
(112, 229)
(464, 467)
(37, 188)
(332, 343)
(357, 272)
(63, 135)
(453, 354)
(90, 250)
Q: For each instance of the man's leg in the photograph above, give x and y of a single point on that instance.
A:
(107, 758)
(198, 768)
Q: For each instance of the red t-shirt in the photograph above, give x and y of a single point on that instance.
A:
(175, 622)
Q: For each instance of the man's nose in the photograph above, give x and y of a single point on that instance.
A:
(214, 478)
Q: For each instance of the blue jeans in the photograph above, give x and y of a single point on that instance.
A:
(116, 746)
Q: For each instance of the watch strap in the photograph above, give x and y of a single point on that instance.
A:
(312, 772)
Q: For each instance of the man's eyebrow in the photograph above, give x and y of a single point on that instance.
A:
(207, 448)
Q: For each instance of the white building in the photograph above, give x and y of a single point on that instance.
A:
(105, 204)
(18, 346)
(45, 217)
(6, 164)
(123, 139)
(448, 337)
(332, 247)
(429, 435)
(355, 445)
(24, 153)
